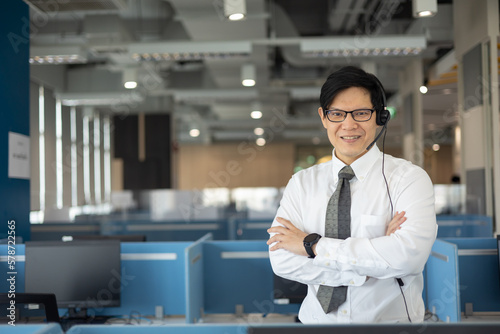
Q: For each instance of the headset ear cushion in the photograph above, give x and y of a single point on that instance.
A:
(383, 117)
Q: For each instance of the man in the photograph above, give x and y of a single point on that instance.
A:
(392, 218)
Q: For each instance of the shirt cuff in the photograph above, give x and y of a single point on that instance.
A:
(326, 250)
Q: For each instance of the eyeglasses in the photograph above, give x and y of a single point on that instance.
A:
(359, 115)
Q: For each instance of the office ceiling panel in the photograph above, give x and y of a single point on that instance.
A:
(187, 57)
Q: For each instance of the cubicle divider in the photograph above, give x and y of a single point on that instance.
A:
(172, 230)
(153, 230)
(184, 279)
(442, 293)
(152, 277)
(152, 274)
(249, 229)
(52, 328)
(464, 226)
(194, 274)
(160, 329)
(207, 276)
(479, 274)
(238, 278)
(19, 257)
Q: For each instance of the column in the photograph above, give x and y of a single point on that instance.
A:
(476, 53)
(411, 110)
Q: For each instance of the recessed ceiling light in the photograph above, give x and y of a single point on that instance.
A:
(256, 114)
(194, 133)
(130, 84)
(258, 131)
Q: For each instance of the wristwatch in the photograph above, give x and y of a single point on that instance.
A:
(309, 241)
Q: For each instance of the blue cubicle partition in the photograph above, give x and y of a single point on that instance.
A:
(152, 275)
(194, 259)
(464, 226)
(479, 273)
(170, 230)
(250, 229)
(152, 230)
(159, 329)
(239, 273)
(31, 329)
(442, 293)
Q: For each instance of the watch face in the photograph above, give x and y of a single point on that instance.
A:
(311, 237)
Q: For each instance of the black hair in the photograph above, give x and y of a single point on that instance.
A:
(351, 76)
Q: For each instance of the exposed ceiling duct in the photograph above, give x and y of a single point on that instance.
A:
(188, 57)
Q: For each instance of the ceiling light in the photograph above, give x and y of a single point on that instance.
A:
(260, 142)
(236, 17)
(194, 133)
(129, 78)
(248, 75)
(256, 114)
(235, 10)
(423, 89)
(424, 13)
(161, 51)
(57, 55)
(424, 8)
(101, 99)
(248, 82)
(258, 131)
(130, 84)
(436, 147)
(381, 46)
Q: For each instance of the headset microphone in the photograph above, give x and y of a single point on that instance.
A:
(378, 136)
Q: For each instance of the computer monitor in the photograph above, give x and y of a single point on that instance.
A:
(288, 292)
(83, 275)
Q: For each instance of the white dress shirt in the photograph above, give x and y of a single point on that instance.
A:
(368, 262)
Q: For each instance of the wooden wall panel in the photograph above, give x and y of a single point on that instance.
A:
(234, 165)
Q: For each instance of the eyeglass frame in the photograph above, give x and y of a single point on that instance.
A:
(349, 112)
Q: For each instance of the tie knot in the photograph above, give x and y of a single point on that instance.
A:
(346, 173)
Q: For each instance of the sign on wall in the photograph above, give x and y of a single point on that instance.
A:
(19, 156)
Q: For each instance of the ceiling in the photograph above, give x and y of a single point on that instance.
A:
(187, 59)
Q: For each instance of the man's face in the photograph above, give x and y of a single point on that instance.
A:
(350, 138)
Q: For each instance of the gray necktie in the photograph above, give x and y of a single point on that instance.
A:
(337, 225)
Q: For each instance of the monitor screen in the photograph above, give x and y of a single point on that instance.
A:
(287, 291)
(82, 274)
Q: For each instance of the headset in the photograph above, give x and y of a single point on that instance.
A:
(383, 115)
(382, 118)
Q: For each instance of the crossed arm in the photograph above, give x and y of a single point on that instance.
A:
(291, 238)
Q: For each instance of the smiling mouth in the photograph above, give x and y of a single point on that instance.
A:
(350, 137)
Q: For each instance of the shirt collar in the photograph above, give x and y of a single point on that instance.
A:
(360, 166)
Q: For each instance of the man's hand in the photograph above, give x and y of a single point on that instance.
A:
(395, 224)
(287, 237)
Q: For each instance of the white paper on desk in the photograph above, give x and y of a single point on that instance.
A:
(19, 156)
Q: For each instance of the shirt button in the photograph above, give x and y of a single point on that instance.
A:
(344, 311)
(327, 263)
(322, 282)
(351, 282)
(353, 261)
